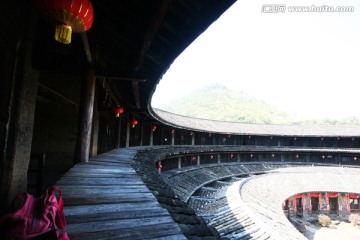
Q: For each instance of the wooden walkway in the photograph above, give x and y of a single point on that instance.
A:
(106, 199)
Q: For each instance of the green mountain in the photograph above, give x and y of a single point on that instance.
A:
(216, 102)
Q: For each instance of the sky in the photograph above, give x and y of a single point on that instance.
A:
(304, 63)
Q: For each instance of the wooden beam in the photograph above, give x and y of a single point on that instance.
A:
(59, 98)
(122, 78)
(152, 30)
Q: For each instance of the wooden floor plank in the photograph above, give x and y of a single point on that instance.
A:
(116, 215)
(72, 190)
(106, 199)
(166, 231)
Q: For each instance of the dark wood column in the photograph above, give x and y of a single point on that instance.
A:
(19, 83)
(95, 131)
(118, 132)
(86, 117)
(127, 143)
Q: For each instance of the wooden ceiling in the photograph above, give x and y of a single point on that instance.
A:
(131, 43)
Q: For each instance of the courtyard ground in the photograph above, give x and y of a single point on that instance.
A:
(339, 229)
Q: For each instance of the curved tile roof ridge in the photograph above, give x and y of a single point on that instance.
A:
(206, 125)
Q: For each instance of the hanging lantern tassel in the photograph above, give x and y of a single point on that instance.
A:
(63, 33)
(118, 111)
(133, 123)
(158, 165)
(153, 128)
(68, 16)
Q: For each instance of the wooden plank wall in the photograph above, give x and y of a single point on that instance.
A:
(106, 199)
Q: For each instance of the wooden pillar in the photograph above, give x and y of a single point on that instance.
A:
(159, 169)
(173, 138)
(118, 132)
(193, 139)
(141, 133)
(151, 137)
(95, 133)
(86, 117)
(19, 85)
(179, 162)
(198, 160)
(218, 158)
(20, 126)
(127, 144)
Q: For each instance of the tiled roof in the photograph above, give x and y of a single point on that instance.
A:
(206, 125)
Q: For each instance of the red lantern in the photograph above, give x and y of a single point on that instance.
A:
(231, 155)
(355, 158)
(153, 127)
(134, 122)
(191, 133)
(211, 156)
(297, 156)
(172, 131)
(118, 111)
(193, 158)
(272, 155)
(159, 166)
(323, 156)
(67, 15)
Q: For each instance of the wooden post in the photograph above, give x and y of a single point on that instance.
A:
(19, 130)
(218, 158)
(179, 162)
(193, 139)
(151, 137)
(173, 138)
(95, 132)
(118, 132)
(86, 116)
(198, 160)
(19, 85)
(127, 144)
(141, 133)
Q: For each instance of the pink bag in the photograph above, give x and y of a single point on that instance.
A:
(32, 218)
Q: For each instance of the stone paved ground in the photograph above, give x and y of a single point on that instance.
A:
(343, 231)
